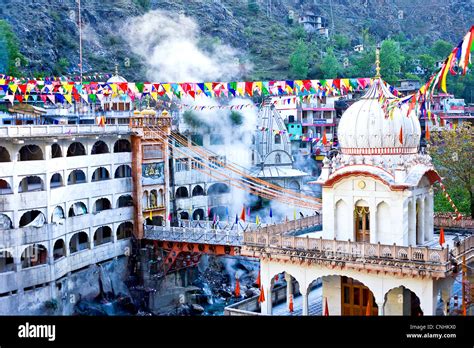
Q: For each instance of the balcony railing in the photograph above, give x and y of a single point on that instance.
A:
(58, 130)
(334, 248)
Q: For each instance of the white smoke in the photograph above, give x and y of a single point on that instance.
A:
(168, 45)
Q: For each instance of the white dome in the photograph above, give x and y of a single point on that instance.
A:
(365, 129)
(116, 79)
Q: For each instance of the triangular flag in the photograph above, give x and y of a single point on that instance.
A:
(290, 305)
(326, 308)
(236, 219)
(237, 287)
(271, 212)
(294, 214)
(441, 237)
(169, 217)
(242, 214)
(324, 139)
(400, 136)
(151, 215)
(261, 298)
(427, 132)
(368, 310)
(258, 282)
(257, 220)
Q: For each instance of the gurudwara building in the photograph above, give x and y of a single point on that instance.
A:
(377, 253)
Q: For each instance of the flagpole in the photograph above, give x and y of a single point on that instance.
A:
(80, 38)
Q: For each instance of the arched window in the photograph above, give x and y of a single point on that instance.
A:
(56, 151)
(99, 147)
(58, 215)
(102, 235)
(122, 145)
(102, 204)
(182, 192)
(362, 221)
(277, 158)
(125, 201)
(198, 191)
(59, 249)
(5, 222)
(4, 155)
(184, 215)
(78, 242)
(56, 181)
(153, 199)
(145, 201)
(31, 153)
(5, 188)
(124, 230)
(76, 149)
(198, 214)
(217, 188)
(277, 139)
(77, 209)
(123, 171)
(100, 174)
(77, 176)
(34, 255)
(32, 218)
(31, 183)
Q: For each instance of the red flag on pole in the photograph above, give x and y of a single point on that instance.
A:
(324, 139)
(242, 215)
(368, 310)
(441, 237)
(237, 287)
(258, 282)
(326, 309)
(400, 136)
(427, 132)
(261, 298)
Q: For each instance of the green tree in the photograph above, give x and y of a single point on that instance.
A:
(441, 49)
(299, 60)
(330, 67)
(341, 41)
(427, 63)
(452, 152)
(13, 61)
(61, 66)
(253, 6)
(236, 118)
(390, 61)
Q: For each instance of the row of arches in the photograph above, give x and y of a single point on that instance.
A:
(33, 152)
(76, 209)
(198, 190)
(77, 176)
(345, 295)
(37, 254)
(219, 212)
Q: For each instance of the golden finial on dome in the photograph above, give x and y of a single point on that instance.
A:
(377, 62)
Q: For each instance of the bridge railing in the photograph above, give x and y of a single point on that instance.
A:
(218, 225)
(292, 225)
(194, 235)
(334, 248)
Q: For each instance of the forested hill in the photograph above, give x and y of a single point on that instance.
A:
(43, 34)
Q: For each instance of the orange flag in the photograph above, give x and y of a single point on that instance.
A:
(400, 136)
(368, 310)
(441, 237)
(237, 287)
(261, 298)
(427, 132)
(326, 309)
(290, 305)
(258, 279)
(242, 214)
(324, 140)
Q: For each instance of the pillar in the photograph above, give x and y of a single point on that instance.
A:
(289, 288)
(381, 309)
(305, 302)
(137, 185)
(266, 306)
(412, 222)
(421, 221)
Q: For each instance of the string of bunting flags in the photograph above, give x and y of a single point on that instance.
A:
(456, 63)
(57, 91)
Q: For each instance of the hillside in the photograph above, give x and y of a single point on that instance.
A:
(259, 31)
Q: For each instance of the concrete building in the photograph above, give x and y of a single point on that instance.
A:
(313, 23)
(66, 204)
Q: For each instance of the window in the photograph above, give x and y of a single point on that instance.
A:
(196, 163)
(182, 165)
(277, 139)
(277, 158)
(152, 152)
(197, 140)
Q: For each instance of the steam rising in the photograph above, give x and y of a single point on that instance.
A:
(168, 45)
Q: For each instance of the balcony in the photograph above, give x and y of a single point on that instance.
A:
(34, 131)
